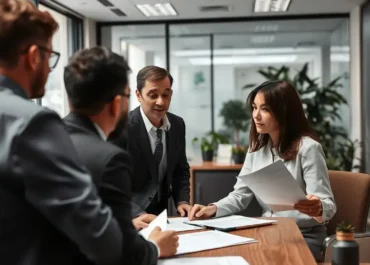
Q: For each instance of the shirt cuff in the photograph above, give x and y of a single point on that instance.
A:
(323, 218)
(181, 203)
(219, 212)
(155, 244)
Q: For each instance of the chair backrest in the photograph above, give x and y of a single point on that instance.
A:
(352, 196)
(363, 241)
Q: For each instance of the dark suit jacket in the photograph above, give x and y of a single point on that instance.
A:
(136, 140)
(48, 203)
(110, 168)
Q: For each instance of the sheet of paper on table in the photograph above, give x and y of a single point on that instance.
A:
(206, 240)
(205, 261)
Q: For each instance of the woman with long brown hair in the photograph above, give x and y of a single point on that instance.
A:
(281, 131)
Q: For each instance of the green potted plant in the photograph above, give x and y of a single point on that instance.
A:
(322, 106)
(237, 117)
(345, 248)
(239, 153)
(208, 144)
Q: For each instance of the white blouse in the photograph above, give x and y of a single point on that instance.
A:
(308, 168)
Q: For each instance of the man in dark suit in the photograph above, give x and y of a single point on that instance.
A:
(49, 208)
(155, 139)
(94, 115)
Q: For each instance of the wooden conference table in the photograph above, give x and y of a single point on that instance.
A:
(280, 244)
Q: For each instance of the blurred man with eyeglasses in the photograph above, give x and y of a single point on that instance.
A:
(50, 212)
(96, 82)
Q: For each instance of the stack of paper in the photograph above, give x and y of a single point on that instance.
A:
(195, 242)
(204, 261)
(178, 225)
(232, 222)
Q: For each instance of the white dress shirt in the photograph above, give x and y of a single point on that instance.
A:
(309, 170)
(100, 132)
(152, 133)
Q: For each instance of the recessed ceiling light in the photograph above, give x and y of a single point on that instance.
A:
(262, 39)
(271, 5)
(163, 9)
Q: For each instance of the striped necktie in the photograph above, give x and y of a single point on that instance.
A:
(158, 152)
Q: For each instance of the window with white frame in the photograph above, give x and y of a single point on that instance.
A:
(55, 95)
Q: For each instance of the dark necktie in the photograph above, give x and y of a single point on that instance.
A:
(158, 152)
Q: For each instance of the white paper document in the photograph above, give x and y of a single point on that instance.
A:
(160, 221)
(232, 222)
(275, 186)
(207, 240)
(204, 261)
(178, 225)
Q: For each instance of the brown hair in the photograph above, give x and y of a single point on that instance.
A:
(285, 104)
(22, 25)
(151, 73)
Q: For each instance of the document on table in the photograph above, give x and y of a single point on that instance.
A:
(275, 186)
(160, 220)
(232, 222)
(205, 261)
(178, 225)
(200, 241)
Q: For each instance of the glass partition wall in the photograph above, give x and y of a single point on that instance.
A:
(213, 63)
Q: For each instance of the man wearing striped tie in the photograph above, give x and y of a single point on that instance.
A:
(155, 139)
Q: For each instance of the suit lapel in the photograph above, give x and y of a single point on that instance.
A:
(144, 142)
(170, 145)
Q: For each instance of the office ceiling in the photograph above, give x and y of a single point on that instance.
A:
(234, 35)
(190, 9)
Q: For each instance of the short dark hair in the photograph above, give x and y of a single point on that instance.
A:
(93, 78)
(151, 73)
(22, 25)
(286, 106)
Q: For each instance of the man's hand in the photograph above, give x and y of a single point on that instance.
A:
(167, 242)
(184, 209)
(142, 221)
(202, 212)
(312, 206)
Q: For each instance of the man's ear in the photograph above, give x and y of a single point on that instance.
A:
(32, 57)
(138, 95)
(116, 105)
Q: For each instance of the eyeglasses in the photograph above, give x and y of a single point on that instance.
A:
(126, 95)
(123, 94)
(54, 56)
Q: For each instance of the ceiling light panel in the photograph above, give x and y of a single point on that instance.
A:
(155, 10)
(271, 5)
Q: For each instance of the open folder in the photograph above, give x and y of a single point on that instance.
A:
(275, 186)
(231, 223)
(178, 224)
